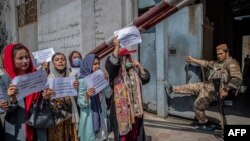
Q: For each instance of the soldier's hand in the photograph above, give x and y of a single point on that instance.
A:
(189, 59)
(223, 94)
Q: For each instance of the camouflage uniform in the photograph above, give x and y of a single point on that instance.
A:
(206, 91)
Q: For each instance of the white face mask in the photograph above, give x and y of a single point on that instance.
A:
(76, 62)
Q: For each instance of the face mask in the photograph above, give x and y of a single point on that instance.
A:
(76, 62)
(128, 65)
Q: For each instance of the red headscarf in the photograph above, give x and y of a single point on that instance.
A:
(8, 63)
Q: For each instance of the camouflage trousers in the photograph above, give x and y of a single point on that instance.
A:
(205, 95)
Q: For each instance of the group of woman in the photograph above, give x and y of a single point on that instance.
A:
(85, 116)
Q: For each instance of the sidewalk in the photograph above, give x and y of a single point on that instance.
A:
(176, 129)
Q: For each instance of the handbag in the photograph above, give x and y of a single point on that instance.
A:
(41, 116)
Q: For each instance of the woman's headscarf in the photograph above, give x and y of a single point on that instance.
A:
(71, 58)
(9, 66)
(53, 72)
(86, 65)
(85, 70)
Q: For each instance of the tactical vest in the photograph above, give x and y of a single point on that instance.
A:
(219, 71)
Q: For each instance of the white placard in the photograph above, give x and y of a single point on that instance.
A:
(128, 36)
(62, 86)
(43, 55)
(75, 70)
(1, 100)
(30, 83)
(96, 80)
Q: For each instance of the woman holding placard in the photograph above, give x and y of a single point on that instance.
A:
(93, 108)
(66, 124)
(126, 78)
(17, 61)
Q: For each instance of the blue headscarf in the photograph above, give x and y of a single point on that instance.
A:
(85, 70)
(86, 65)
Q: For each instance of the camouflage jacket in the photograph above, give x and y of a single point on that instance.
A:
(229, 72)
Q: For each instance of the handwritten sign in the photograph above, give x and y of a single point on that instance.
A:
(96, 80)
(1, 100)
(43, 55)
(30, 83)
(62, 86)
(128, 36)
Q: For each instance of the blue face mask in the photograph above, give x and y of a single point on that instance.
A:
(76, 62)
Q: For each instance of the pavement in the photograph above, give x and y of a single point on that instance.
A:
(173, 128)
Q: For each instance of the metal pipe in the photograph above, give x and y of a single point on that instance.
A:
(163, 16)
(155, 15)
(108, 51)
(152, 13)
(162, 6)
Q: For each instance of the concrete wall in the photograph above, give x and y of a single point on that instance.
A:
(183, 37)
(28, 36)
(59, 25)
(81, 25)
(8, 18)
(182, 33)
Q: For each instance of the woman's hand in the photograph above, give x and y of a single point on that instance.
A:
(106, 75)
(4, 105)
(44, 65)
(76, 84)
(48, 93)
(90, 92)
(11, 92)
(136, 64)
(116, 43)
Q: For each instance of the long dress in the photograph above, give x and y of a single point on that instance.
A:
(85, 127)
(65, 129)
(137, 132)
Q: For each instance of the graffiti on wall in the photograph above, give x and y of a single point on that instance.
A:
(4, 34)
